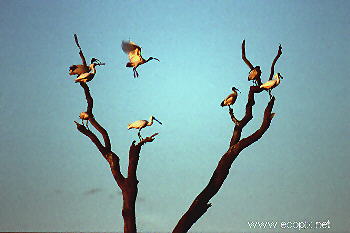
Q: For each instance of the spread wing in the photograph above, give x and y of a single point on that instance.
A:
(78, 69)
(131, 47)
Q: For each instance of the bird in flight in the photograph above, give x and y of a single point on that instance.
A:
(134, 54)
(140, 124)
(230, 99)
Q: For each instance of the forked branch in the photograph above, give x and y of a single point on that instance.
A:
(201, 203)
(279, 53)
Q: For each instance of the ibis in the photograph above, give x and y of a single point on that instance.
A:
(134, 54)
(84, 116)
(269, 85)
(140, 124)
(81, 69)
(230, 99)
(88, 76)
(254, 74)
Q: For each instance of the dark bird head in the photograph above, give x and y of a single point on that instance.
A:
(257, 68)
(235, 89)
(279, 75)
(96, 61)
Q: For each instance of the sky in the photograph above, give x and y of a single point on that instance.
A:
(52, 178)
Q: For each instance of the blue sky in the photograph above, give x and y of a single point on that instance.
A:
(52, 178)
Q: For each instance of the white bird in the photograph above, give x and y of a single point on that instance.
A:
(140, 124)
(84, 116)
(230, 99)
(81, 69)
(86, 77)
(254, 74)
(269, 85)
(134, 54)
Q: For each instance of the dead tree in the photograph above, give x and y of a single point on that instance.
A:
(201, 203)
(128, 184)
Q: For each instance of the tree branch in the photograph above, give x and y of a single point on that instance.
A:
(245, 58)
(201, 203)
(80, 51)
(279, 53)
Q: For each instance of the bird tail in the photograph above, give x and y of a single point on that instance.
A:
(129, 126)
(129, 64)
(222, 104)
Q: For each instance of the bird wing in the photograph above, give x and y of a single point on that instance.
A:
(252, 74)
(269, 84)
(84, 76)
(137, 124)
(129, 46)
(78, 69)
(230, 99)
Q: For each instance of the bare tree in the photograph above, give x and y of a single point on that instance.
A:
(201, 204)
(128, 184)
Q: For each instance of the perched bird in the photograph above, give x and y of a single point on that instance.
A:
(140, 124)
(86, 77)
(81, 69)
(84, 116)
(255, 74)
(269, 85)
(134, 54)
(230, 99)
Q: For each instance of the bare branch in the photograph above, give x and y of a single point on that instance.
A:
(245, 58)
(82, 129)
(80, 51)
(279, 53)
(201, 204)
(233, 118)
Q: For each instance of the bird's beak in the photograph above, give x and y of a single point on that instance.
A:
(281, 76)
(101, 64)
(157, 120)
(156, 59)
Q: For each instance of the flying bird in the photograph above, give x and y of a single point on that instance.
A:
(255, 74)
(269, 85)
(140, 124)
(88, 76)
(134, 54)
(230, 99)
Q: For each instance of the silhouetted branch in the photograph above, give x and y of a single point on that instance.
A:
(80, 51)
(279, 53)
(201, 203)
(245, 58)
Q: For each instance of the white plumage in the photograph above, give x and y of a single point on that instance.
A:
(230, 99)
(140, 124)
(269, 85)
(134, 54)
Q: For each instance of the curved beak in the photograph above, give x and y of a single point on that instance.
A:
(156, 59)
(157, 120)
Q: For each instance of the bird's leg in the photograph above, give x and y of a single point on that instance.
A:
(230, 109)
(137, 73)
(139, 134)
(133, 69)
(270, 94)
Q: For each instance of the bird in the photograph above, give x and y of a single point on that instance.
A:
(254, 75)
(269, 85)
(81, 69)
(84, 116)
(140, 124)
(88, 76)
(134, 54)
(230, 99)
